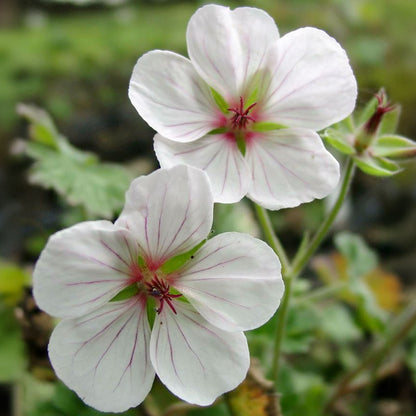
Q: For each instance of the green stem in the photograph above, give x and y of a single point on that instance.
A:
(376, 354)
(281, 326)
(271, 237)
(320, 294)
(301, 259)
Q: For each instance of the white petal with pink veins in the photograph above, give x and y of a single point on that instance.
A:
(290, 167)
(104, 356)
(82, 267)
(169, 212)
(194, 359)
(312, 84)
(171, 97)
(218, 156)
(234, 281)
(228, 47)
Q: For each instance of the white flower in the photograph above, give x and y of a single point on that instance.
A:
(103, 348)
(246, 105)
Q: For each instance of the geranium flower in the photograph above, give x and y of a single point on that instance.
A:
(246, 105)
(104, 348)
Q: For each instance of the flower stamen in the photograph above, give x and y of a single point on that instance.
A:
(240, 119)
(160, 290)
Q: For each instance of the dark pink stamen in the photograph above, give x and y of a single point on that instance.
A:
(240, 119)
(160, 290)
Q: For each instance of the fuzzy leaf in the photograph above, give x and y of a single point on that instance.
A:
(78, 176)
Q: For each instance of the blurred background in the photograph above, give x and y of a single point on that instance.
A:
(74, 59)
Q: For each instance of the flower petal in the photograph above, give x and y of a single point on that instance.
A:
(290, 167)
(312, 84)
(169, 211)
(171, 97)
(195, 360)
(82, 267)
(234, 282)
(219, 157)
(228, 47)
(104, 356)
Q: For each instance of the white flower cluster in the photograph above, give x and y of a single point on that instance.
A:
(237, 118)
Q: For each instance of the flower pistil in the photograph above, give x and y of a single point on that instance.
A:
(240, 118)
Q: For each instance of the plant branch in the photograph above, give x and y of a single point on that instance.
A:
(271, 237)
(302, 260)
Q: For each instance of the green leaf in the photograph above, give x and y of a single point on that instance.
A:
(98, 187)
(42, 128)
(376, 166)
(340, 327)
(369, 313)
(393, 146)
(64, 402)
(303, 393)
(13, 280)
(301, 325)
(361, 259)
(12, 357)
(220, 101)
(339, 141)
(78, 176)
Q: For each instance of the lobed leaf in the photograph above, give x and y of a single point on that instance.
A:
(78, 176)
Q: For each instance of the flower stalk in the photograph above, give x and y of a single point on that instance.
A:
(300, 262)
(271, 237)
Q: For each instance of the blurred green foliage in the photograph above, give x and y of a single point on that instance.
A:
(59, 59)
(72, 62)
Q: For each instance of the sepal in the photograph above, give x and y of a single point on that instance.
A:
(339, 141)
(393, 146)
(376, 166)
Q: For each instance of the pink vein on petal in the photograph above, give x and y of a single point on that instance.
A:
(128, 367)
(189, 346)
(114, 252)
(93, 259)
(214, 266)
